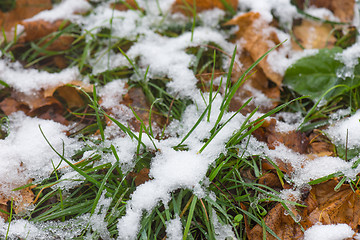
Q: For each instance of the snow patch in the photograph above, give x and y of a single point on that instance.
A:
(329, 232)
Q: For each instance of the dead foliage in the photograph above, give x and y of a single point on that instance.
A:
(21, 200)
(311, 34)
(24, 9)
(324, 205)
(186, 6)
(126, 5)
(47, 104)
(257, 37)
(344, 10)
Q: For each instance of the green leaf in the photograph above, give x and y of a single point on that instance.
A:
(314, 75)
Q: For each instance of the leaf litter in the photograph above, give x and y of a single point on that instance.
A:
(290, 159)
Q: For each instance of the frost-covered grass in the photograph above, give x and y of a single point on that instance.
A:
(202, 159)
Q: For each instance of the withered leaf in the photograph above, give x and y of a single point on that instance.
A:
(125, 5)
(294, 140)
(257, 41)
(24, 9)
(312, 34)
(185, 6)
(324, 205)
(344, 10)
(141, 177)
(21, 200)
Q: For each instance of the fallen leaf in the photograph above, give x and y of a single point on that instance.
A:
(24, 9)
(311, 34)
(186, 6)
(21, 200)
(126, 5)
(257, 37)
(344, 10)
(257, 81)
(271, 180)
(10, 105)
(294, 140)
(324, 205)
(136, 98)
(320, 145)
(35, 30)
(141, 177)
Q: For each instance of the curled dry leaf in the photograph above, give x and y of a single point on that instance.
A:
(311, 34)
(257, 37)
(324, 205)
(186, 6)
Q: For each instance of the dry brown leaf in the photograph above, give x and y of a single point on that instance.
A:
(141, 177)
(136, 98)
(34, 30)
(271, 180)
(34, 105)
(185, 6)
(71, 96)
(312, 34)
(24, 9)
(294, 140)
(10, 105)
(21, 200)
(4, 208)
(324, 205)
(257, 38)
(320, 145)
(256, 80)
(129, 4)
(344, 9)
(80, 84)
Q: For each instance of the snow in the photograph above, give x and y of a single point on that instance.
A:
(350, 57)
(323, 166)
(111, 94)
(170, 170)
(30, 80)
(283, 9)
(329, 232)
(321, 13)
(348, 126)
(166, 57)
(23, 229)
(174, 229)
(67, 9)
(26, 155)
